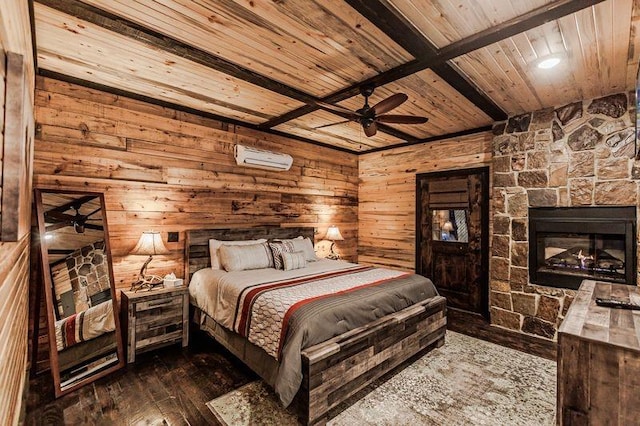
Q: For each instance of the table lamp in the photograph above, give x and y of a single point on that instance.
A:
(150, 244)
(333, 235)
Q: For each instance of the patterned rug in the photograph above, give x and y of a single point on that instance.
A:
(465, 382)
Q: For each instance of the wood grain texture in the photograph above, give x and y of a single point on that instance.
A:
(599, 358)
(174, 171)
(386, 213)
(15, 36)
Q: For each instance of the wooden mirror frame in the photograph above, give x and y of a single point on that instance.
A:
(51, 303)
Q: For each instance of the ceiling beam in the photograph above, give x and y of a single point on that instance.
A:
(152, 38)
(519, 24)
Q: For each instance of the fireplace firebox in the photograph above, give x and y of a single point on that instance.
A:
(568, 245)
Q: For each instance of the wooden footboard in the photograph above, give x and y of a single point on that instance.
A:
(338, 368)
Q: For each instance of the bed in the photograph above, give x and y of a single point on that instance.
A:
(332, 362)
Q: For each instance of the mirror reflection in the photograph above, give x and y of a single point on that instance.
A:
(450, 225)
(83, 328)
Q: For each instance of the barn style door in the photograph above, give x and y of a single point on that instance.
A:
(452, 235)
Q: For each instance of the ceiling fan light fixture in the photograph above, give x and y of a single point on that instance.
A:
(548, 62)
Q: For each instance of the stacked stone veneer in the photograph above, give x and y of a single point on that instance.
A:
(581, 154)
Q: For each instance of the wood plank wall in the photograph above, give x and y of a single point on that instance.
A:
(167, 170)
(387, 192)
(15, 36)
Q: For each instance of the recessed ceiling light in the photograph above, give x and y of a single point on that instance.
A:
(549, 62)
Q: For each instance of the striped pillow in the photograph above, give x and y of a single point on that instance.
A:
(277, 248)
(295, 260)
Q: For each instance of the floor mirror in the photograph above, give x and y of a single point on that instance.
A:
(85, 342)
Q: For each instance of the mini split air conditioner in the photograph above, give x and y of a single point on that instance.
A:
(260, 159)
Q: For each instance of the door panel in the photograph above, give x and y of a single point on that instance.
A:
(452, 238)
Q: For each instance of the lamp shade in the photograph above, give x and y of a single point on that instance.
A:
(150, 243)
(333, 234)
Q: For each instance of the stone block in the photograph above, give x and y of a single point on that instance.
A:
(538, 327)
(519, 229)
(566, 303)
(520, 254)
(517, 205)
(569, 113)
(563, 197)
(537, 160)
(541, 119)
(519, 276)
(548, 308)
(584, 138)
(581, 192)
(498, 199)
(500, 246)
(557, 131)
(635, 170)
(526, 142)
(517, 162)
(596, 122)
(582, 164)
(498, 128)
(519, 123)
(622, 144)
(504, 179)
(613, 168)
(497, 285)
(616, 192)
(503, 145)
(501, 225)
(499, 269)
(502, 164)
(501, 300)
(543, 197)
(506, 319)
(533, 179)
(613, 105)
(524, 303)
(612, 126)
(558, 174)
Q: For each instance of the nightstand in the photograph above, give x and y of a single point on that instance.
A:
(155, 318)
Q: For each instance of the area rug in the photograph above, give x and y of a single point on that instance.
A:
(465, 382)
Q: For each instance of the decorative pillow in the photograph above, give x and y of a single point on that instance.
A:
(242, 258)
(214, 246)
(277, 248)
(294, 260)
(304, 245)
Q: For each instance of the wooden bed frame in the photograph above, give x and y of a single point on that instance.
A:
(336, 369)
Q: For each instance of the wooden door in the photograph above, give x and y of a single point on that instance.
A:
(452, 235)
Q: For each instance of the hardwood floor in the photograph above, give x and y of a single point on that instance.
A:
(166, 386)
(171, 385)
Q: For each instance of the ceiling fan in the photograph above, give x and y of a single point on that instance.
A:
(79, 221)
(369, 116)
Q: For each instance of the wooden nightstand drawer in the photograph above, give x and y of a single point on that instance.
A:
(155, 318)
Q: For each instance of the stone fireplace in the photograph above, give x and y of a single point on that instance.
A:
(579, 155)
(568, 245)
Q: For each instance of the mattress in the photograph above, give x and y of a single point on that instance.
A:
(283, 312)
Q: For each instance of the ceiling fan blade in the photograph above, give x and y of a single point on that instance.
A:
(332, 124)
(336, 108)
(93, 212)
(390, 103)
(370, 130)
(401, 119)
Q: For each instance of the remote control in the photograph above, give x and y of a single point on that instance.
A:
(614, 303)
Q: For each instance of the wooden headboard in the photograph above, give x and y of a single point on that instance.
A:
(197, 242)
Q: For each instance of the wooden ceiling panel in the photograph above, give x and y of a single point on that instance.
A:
(346, 135)
(429, 96)
(317, 46)
(77, 48)
(445, 21)
(596, 60)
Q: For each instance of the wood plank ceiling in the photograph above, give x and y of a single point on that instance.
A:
(264, 64)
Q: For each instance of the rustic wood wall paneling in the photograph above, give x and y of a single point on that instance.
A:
(386, 208)
(168, 170)
(15, 36)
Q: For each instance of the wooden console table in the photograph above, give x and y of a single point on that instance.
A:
(599, 359)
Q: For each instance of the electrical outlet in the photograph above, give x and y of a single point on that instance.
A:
(172, 237)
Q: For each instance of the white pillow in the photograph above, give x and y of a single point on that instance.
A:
(243, 258)
(295, 260)
(214, 246)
